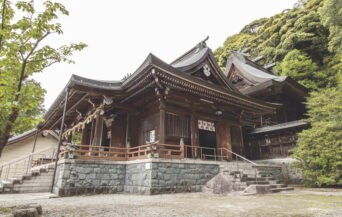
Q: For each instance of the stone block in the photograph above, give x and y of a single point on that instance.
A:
(81, 176)
(219, 185)
(257, 189)
(91, 176)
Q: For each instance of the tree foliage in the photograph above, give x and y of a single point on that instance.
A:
(319, 149)
(299, 66)
(331, 14)
(76, 137)
(23, 32)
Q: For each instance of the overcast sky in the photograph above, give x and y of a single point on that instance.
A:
(120, 34)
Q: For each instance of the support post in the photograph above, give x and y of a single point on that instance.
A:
(128, 145)
(29, 163)
(162, 126)
(194, 136)
(60, 138)
(35, 140)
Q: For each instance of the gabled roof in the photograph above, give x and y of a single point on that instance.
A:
(195, 58)
(249, 69)
(260, 77)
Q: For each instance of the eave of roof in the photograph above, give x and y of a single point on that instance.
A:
(282, 82)
(251, 71)
(278, 127)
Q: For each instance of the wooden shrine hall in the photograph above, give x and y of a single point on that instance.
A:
(186, 109)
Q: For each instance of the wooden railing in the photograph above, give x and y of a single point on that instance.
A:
(152, 150)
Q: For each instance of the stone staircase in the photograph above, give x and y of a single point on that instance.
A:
(243, 175)
(37, 180)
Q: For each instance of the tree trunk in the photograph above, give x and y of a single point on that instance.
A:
(4, 135)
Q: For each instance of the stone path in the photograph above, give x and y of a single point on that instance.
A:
(300, 202)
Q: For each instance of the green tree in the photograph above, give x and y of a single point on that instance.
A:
(319, 149)
(331, 14)
(76, 138)
(23, 52)
(300, 67)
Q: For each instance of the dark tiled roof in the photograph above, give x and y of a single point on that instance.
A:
(250, 70)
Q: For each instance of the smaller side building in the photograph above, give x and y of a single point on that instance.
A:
(269, 136)
(22, 145)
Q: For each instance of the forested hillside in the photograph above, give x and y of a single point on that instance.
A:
(304, 41)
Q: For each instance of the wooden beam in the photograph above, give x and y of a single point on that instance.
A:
(68, 110)
(124, 106)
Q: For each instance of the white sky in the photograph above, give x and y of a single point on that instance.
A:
(120, 34)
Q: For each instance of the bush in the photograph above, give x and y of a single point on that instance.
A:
(319, 150)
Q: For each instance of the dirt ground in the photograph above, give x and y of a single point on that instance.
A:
(300, 202)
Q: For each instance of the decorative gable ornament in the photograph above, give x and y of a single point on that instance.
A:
(206, 70)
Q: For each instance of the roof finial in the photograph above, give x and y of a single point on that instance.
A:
(202, 44)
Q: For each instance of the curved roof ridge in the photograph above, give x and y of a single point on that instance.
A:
(193, 50)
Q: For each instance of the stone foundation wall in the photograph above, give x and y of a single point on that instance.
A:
(84, 177)
(180, 177)
(138, 178)
(150, 176)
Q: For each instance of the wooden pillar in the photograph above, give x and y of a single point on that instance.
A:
(243, 153)
(85, 140)
(161, 120)
(98, 131)
(92, 131)
(162, 127)
(127, 142)
(194, 135)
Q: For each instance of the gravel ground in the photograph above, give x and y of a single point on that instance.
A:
(300, 202)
